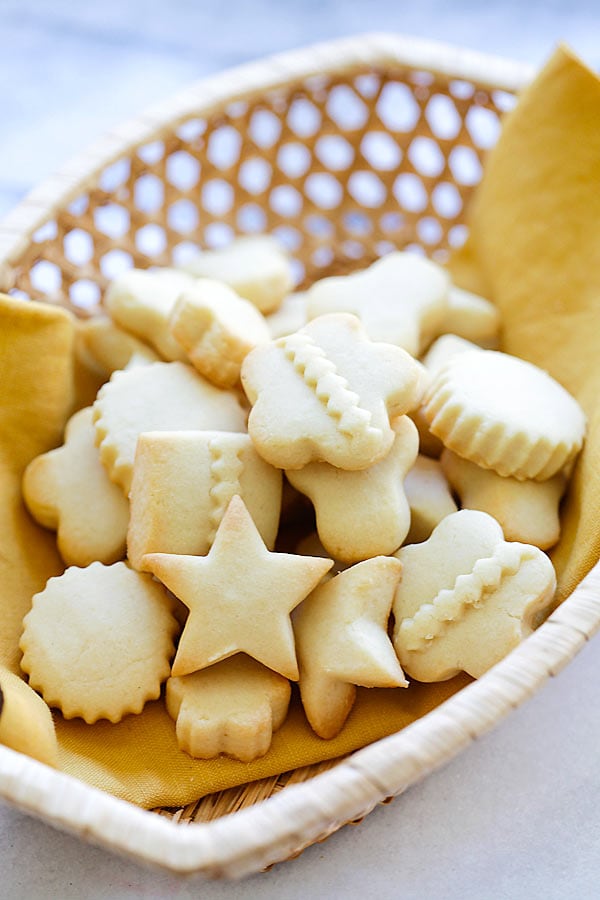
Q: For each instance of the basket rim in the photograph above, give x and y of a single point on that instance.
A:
(246, 841)
(211, 95)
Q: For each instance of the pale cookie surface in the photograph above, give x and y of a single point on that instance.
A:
(217, 329)
(366, 513)
(240, 596)
(69, 491)
(141, 302)
(106, 348)
(233, 707)
(471, 317)
(527, 511)
(291, 315)
(159, 397)
(467, 598)
(342, 641)
(182, 484)
(429, 498)
(255, 267)
(442, 350)
(327, 394)
(400, 299)
(504, 414)
(97, 642)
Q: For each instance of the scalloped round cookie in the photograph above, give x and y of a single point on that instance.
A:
(158, 397)
(504, 414)
(97, 642)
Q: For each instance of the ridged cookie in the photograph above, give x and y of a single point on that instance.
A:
(504, 414)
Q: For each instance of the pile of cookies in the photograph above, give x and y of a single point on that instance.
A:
(351, 419)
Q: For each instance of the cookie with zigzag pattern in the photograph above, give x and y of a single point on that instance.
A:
(467, 597)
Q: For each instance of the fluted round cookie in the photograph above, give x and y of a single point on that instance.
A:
(158, 397)
(97, 642)
(504, 414)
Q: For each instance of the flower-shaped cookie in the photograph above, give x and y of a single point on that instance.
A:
(232, 707)
(97, 642)
(240, 596)
(327, 393)
(342, 641)
(467, 597)
(182, 484)
(400, 299)
(69, 491)
(366, 513)
(255, 267)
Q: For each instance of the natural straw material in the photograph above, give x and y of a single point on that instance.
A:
(391, 172)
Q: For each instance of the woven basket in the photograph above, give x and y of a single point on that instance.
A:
(344, 151)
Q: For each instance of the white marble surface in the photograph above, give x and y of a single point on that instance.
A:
(518, 814)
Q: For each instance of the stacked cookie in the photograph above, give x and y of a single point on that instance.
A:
(224, 387)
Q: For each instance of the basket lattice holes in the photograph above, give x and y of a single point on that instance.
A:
(341, 171)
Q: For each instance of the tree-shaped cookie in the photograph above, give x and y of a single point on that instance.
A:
(233, 707)
(327, 393)
(69, 491)
(240, 596)
(467, 597)
(365, 513)
(400, 299)
(342, 641)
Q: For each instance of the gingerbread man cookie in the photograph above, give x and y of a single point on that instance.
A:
(69, 491)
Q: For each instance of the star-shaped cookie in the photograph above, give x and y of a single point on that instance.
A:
(366, 513)
(327, 393)
(240, 596)
(400, 299)
(342, 641)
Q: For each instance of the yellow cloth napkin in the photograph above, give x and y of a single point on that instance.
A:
(534, 249)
